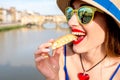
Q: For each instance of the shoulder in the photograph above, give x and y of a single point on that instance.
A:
(117, 60)
(116, 72)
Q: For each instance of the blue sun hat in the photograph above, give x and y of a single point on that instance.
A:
(110, 7)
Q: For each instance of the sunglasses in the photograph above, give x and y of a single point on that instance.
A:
(85, 14)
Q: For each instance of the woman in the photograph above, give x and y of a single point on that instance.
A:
(95, 54)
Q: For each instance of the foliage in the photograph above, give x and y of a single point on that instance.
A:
(6, 28)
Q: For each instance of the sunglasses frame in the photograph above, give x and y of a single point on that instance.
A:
(77, 10)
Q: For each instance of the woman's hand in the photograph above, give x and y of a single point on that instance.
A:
(46, 64)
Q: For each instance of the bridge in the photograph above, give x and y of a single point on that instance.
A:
(58, 19)
(41, 20)
(58, 22)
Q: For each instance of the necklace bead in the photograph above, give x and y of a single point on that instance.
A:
(84, 76)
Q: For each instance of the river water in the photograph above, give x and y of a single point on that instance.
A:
(17, 49)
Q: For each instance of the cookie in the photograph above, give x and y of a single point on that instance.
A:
(63, 40)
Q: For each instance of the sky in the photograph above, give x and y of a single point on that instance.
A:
(44, 7)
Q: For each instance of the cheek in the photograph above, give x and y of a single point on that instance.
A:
(96, 29)
(96, 34)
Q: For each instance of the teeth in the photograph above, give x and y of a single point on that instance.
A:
(78, 33)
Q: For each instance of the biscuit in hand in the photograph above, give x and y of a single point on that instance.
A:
(63, 40)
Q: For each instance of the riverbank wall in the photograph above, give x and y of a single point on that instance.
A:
(10, 26)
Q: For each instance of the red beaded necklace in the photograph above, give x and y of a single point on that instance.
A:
(84, 76)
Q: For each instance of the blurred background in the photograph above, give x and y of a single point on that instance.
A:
(24, 25)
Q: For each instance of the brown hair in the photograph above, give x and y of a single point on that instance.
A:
(112, 41)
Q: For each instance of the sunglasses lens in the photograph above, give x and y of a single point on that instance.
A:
(69, 13)
(85, 15)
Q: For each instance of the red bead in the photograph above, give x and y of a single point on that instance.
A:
(83, 76)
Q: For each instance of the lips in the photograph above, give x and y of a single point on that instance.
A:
(79, 39)
(77, 30)
(81, 35)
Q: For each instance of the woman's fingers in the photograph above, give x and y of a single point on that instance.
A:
(45, 45)
(42, 52)
(51, 40)
(41, 57)
(58, 51)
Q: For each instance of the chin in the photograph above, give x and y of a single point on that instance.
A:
(79, 50)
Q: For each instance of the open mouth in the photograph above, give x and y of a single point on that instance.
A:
(80, 35)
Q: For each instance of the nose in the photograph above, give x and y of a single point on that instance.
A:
(73, 21)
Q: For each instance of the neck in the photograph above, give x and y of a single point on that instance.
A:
(92, 57)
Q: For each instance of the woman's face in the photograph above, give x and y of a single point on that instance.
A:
(91, 35)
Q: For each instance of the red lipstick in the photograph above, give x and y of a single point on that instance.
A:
(81, 34)
(77, 30)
